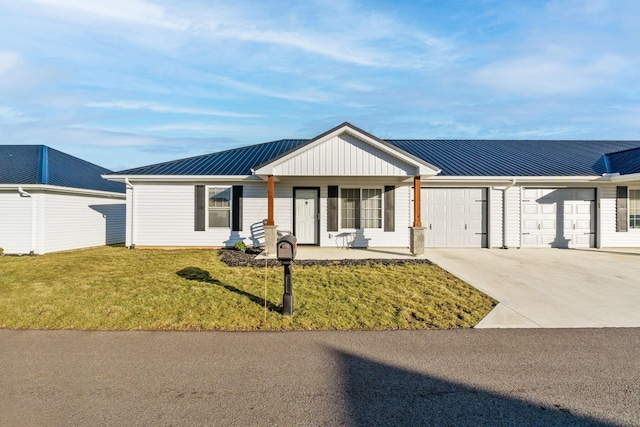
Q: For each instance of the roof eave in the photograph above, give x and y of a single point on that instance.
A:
(625, 178)
(178, 178)
(60, 189)
(519, 179)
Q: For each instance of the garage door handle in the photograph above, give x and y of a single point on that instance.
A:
(574, 226)
(538, 226)
(429, 226)
(465, 227)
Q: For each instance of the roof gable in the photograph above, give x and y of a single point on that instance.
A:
(42, 165)
(346, 150)
(624, 162)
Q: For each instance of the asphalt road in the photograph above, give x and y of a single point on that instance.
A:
(491, 377)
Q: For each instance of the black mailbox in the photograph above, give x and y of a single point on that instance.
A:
(287, 247)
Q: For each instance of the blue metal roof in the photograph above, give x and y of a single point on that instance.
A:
(454, 157)
(39, 164)
(238, 161)
(624, 162)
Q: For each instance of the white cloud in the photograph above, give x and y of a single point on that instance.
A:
(544, 75)
(9, 61)
(10, 115)
(131, 11)
(162, 108)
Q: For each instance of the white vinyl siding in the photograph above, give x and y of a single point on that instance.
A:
(156, 225)
(512, 219)
(76, 221)
(609, 237)
(495, 218)
(59, 221)
(15, 223)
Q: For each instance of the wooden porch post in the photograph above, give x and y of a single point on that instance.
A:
(270, 200)
(417, 220)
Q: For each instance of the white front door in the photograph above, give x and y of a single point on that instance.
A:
(558, 218)
(454, 217)
(306, 216)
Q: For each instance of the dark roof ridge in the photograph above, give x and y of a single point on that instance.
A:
(623, 151)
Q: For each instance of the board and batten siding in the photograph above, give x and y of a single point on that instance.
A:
(343, 155)
(608, 236)
(16, 222)
(71, 221)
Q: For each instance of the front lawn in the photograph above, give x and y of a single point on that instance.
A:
(113, 288)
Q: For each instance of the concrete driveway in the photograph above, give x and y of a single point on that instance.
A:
(551, 288)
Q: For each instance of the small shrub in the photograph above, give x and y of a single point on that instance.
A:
(1, 251)
(240, 246)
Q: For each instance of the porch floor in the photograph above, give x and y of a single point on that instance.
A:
(316, 252)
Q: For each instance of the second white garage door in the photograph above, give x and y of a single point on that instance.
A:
(558, 217)
(454, 217)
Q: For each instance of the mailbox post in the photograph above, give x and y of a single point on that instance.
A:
(286, 249)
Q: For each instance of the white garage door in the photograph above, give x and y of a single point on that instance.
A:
(454, 217)
(558, 218)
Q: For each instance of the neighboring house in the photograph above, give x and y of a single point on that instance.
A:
(347, 187)
(51, 201)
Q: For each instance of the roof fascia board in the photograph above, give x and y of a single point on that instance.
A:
(626, 178)
(519, 179)
(178, 178)
(423, 167)
(59, 189)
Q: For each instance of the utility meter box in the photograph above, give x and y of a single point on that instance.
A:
(286, 248)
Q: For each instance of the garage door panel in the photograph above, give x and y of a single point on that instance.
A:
(454, 217)
(584, 209)
(547, 224)
(438, 210)
(544, 211)
(457, 209)
(548, 209)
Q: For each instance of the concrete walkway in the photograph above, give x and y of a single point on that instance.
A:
(551, 288)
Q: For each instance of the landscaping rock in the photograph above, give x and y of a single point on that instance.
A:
(235, 258)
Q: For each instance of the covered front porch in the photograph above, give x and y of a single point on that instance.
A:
(346, 187)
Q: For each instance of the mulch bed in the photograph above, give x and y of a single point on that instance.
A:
(235, 258)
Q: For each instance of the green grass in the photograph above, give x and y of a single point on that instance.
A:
(112, 288)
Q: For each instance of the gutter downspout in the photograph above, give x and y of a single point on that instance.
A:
(132, 244)
(33, 220)
(504, 211)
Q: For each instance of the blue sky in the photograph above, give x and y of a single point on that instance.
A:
(126, 83)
